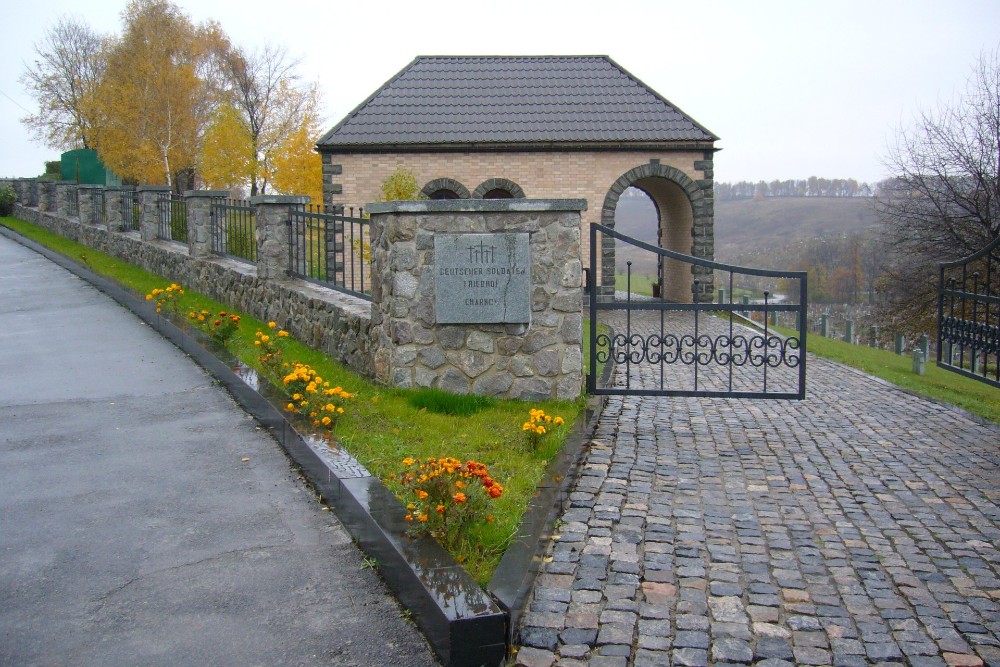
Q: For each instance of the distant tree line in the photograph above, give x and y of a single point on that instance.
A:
(809, 187)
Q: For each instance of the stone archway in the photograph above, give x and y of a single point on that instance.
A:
(686, 220)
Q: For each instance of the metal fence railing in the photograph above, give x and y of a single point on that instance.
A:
(131, 214)
(234, 229)
(98, 216)
(72, 202)
(969, 315)
(172, 217)
(331, 247)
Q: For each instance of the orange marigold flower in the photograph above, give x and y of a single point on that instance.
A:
(408, 517)
(421, 494)
(459, 497)
(495, 491)
(440, 509)
(422, 518)
(408, 461)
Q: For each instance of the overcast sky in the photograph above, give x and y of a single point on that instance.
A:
(794, 89)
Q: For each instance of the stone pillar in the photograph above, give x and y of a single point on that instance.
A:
(273, 231)
(31, 193)
(47, 200)
(849, 333)
(87, 195)
(113, 207)
(479, 296)
(900, 343)
(824, 330)
(66, 200)
(199, 220)
(149, 196)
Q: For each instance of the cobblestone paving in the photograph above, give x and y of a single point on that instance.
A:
(858, 527)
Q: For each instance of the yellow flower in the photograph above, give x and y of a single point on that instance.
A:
(282, 334)
(327, 421)
(422, 518)
(408, 461)
(271, 325)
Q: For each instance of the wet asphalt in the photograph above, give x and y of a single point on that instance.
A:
(145, 519)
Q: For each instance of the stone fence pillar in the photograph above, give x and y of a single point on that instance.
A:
(149, 197)
(199, 220)
(87, 195)
(113, 207)
(29, 192)
(273, 233)
(479, 296)
(47, 198)
(63, 190)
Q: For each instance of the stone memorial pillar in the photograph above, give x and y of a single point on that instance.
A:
(479, 296)
(273, 233)
(149, 197)
(199, 220)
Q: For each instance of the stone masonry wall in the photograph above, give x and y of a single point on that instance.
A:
(336, 323)
(539, 360)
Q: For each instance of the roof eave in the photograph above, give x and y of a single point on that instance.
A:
(532, 146)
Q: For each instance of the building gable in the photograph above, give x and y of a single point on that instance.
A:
(483, 101)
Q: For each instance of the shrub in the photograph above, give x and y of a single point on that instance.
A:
(220, 327)
(444, 495)
(539, 425)
(7, 199)
(314, 397)
(169, 297)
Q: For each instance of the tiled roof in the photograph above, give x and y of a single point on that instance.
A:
(460, 100)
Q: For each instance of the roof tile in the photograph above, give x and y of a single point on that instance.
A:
(442, 100)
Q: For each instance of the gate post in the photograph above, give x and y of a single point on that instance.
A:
(479, 296)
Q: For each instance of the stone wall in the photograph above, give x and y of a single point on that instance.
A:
(336, 323)
(534, 360)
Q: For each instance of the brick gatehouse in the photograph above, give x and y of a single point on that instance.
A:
(539, 127)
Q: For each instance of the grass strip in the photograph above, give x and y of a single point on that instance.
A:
(382, 426)
(976, 397)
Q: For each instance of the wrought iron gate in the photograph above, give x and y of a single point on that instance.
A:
(969, 315)
(750, 347)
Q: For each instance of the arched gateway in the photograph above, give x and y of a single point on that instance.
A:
(545, 127)
(685, 224)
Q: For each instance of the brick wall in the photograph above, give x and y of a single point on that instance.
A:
(353, 179)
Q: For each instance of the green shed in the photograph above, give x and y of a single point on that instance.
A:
(83, 166)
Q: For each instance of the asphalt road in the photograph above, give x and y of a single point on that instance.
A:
(132, 531)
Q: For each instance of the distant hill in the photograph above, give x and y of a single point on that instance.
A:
(746, 228)
(746, 231)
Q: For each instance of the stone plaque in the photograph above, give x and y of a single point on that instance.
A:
(482, 278)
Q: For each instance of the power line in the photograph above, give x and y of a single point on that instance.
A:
(14, 101)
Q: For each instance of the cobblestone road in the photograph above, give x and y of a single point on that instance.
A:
(860, 526)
